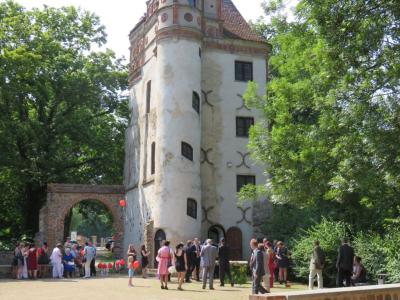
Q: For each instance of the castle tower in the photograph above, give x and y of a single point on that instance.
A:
(178, 138)
(190, 63)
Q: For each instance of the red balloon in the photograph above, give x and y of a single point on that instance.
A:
(122, 203)
(122, 262)
(100, 265)
(110, 265)
(117, 263)
(136, 264)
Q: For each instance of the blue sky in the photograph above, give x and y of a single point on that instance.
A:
(120, 16)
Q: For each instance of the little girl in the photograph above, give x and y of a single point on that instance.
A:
(131, 270)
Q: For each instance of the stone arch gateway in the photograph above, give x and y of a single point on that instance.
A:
(62, 197)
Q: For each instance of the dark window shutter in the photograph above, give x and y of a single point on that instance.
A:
(153, 158)
(196, 102)
(148, 96)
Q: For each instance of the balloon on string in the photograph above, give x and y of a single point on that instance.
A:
(122, 262)
(122, 203)
(110, 265)
(99, 265)
(136, 264)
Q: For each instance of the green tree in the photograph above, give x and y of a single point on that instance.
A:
(331, 127)
(62, 107)
(90, 217)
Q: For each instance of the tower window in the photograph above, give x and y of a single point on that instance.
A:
(243, 125)
(148, 96)
(187, 151)
(153, 158)
(196, 102)
(243, 71)
(191, 210)
(242, 180)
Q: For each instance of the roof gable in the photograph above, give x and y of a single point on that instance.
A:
(235, 26)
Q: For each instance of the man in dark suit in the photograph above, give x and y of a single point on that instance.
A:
(257, 267)
(191, 260)
(224, 267)
(195, 258)
(344, 263)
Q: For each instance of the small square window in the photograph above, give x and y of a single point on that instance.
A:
(243, 125)
(243, 71)
(242, 180)
(187, 151)
(191, 208)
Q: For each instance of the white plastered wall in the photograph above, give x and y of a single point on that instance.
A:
(219, 133)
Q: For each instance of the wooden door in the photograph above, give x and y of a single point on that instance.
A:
(234, 241)
(158, 238)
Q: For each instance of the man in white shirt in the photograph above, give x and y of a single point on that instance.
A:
(56, 261)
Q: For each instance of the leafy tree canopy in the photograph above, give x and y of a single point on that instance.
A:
(331, 128)
(62, 108)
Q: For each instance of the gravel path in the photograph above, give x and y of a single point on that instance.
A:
(116, 288)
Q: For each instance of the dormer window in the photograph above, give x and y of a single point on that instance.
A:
(192, 3)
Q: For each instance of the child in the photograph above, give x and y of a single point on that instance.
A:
(131, 271)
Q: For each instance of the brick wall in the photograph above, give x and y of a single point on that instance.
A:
(375, 292)
(62, 197)
(149, 241)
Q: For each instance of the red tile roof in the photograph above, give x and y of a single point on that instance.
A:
(235, 26)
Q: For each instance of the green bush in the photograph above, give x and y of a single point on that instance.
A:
(329, 234)
(370, 247)
(392, 254)
(239, 273)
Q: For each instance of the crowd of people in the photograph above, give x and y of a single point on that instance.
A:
(268, 263)
(196, 261)
(29, 261)
(186, 260)
(70, 260)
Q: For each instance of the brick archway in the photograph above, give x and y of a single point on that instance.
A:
(62, 197)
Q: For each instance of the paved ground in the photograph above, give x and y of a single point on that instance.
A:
(116, 288)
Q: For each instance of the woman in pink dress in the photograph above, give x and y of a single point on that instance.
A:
(164, 256)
